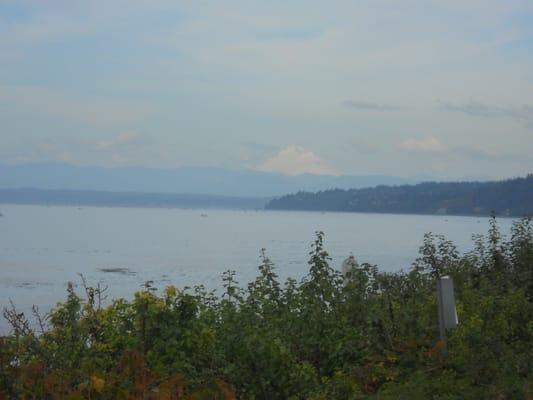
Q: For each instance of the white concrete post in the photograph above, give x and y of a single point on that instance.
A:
(447, 312)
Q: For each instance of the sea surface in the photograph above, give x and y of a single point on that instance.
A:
(43, 248)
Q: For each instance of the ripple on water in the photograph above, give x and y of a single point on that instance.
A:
(118, 270)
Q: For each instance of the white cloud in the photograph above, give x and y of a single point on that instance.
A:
(429, 144)
(35, 100)
(108, 150)
(121, 139)
(295, 160)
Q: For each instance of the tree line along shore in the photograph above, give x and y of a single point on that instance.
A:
(511, 198)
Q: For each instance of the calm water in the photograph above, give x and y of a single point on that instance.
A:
(42, 248)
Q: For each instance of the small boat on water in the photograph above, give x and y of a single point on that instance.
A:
(203, 215)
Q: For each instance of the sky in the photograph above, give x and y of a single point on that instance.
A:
(410, 88)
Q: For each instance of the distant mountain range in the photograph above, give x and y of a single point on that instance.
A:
(204, 181)
(513, 197)
(127, 199)
(65, 184)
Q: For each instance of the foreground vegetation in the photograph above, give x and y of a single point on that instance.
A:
(371, 336)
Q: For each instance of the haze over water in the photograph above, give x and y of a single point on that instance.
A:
(42, 248)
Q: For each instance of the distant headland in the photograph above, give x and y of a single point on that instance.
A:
(511, 197)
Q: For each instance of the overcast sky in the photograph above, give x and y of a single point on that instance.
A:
(408, 88)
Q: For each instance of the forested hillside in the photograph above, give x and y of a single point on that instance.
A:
(513, 197)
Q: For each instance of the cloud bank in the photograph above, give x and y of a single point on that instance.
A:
(122, 139)
(200, 80)
(428, 144)
(365, 105)
(524, 112)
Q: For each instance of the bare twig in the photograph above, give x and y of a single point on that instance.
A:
(41, 319)
(18, 321)
(100, 294)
